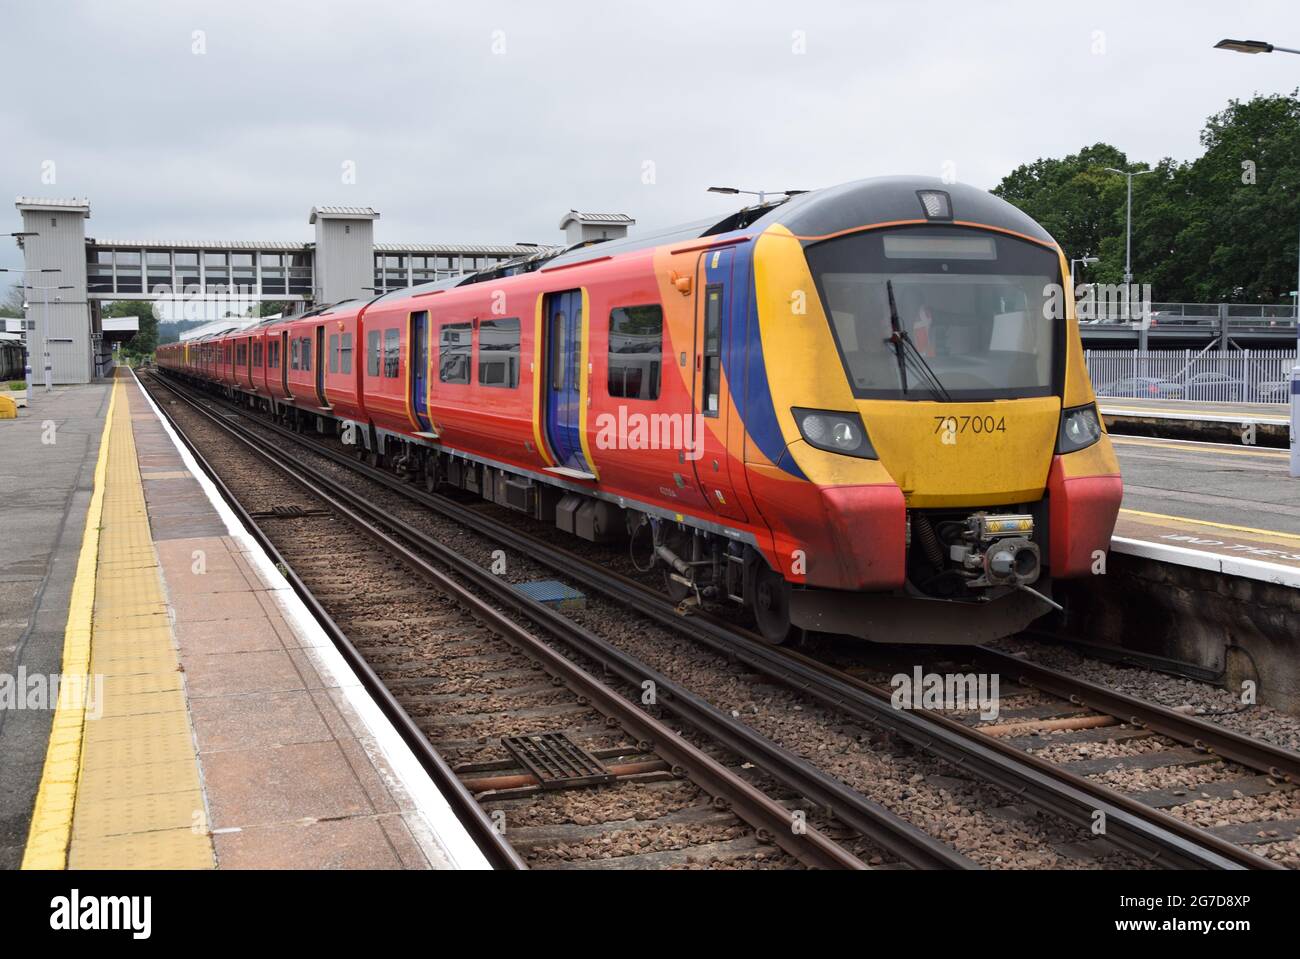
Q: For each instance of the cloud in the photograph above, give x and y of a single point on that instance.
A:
(486, 121)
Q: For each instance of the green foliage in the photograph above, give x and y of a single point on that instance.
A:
(12, 306)
(1202, 231)
(146, 340)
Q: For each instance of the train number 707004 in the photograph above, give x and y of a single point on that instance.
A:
(970, 424)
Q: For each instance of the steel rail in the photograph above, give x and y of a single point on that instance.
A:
(1281, 764)
(772, 820)
(1149, 833)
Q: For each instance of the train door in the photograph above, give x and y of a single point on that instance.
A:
(248, 356)
(284, 363)
(562, 403)
(712, 402)
(418, 368)
(320, 366)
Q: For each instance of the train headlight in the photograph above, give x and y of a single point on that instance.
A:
(834, 432)
(1080, 428)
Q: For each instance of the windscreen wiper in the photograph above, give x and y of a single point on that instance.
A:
(903, 344)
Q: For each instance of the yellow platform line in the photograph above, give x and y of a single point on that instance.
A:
(1270, 533)
(51, 826)
(1192, 448)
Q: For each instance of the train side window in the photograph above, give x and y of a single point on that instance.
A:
(712, 349)
(372, 353)
(273, 354)
(558, 368)
(241, 354)
(498, 353)
(392, 352)
(345, 354)
(306, 353)
(334, 352)
(293, 357)
(257, 354)
(454, 352)
(636, 344)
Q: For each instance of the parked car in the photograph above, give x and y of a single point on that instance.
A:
(1214, 386)
(1142, 386)
(1274, 391)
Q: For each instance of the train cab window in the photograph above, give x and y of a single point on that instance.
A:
(334, 352)
(636, 338)
(977, 310)
(372, 353)
(498, 353)
(293, 350)
(392, 352)
(306, 353)
(345, 354)
(454, 352)
(712, 349)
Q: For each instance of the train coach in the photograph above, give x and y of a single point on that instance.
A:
(862, 409)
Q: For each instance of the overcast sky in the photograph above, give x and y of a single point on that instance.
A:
(480, 121)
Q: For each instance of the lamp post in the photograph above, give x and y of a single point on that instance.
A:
(1084, 260)
(27, 360)
(1128, 252)
(1260, 46)
(1128, 221)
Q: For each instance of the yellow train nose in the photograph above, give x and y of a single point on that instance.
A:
(965, 454)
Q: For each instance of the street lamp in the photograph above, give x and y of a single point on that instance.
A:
(1084, 260)
(1251, 46)
(27, 365)
(1128, 221)
(1259, 46)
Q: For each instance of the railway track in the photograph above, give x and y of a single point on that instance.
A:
(1156, 836)
(492, 723)
(1087, 731)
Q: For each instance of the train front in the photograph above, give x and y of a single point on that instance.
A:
(942, 457)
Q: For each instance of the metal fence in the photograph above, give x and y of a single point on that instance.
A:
(1249, 376)
(1207, 317)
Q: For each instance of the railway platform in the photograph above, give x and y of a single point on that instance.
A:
(1197, 419)
(203, 719)
(1215, 506)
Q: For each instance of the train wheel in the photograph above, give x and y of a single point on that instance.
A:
(769, 600)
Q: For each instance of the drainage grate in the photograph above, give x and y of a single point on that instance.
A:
(557, 761)
(553, 593)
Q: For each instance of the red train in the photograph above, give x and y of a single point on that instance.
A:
(862, 409)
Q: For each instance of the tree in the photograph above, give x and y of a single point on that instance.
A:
(13, 302)
(1221, 228)
(146, 340)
